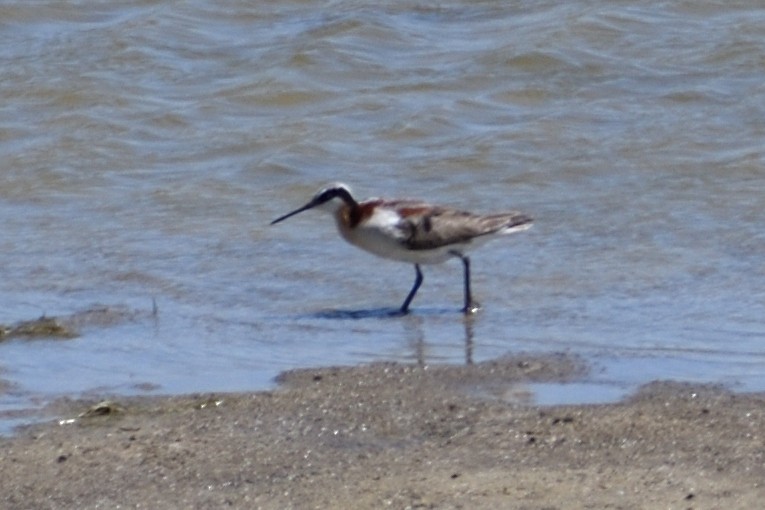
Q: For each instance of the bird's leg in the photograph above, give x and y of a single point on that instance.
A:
(470, 306)
(417, 283)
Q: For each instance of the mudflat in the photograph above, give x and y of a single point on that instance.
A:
(396, 436)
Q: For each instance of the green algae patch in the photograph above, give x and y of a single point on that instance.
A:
(44, 327)
(69, 326)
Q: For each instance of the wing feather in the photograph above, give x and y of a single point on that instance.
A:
(428, 227)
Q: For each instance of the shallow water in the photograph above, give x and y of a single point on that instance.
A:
(146, 146)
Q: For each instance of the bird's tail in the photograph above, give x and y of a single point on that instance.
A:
(516, 222)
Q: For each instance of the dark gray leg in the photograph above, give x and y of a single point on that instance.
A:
(417, 283)
(469, 307)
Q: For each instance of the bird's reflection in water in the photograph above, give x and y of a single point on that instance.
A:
(468, 321)
(415, 335)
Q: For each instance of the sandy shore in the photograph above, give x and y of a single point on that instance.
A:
(396, 436)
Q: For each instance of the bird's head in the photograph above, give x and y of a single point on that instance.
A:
(328, 198)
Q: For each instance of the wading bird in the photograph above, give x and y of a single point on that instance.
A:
(413, 231)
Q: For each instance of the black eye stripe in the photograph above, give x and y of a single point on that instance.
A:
(329, 194)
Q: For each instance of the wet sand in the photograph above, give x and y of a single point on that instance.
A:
(396, 436)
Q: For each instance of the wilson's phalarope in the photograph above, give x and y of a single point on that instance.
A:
(412, 231)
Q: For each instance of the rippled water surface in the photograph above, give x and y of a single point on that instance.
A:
(145, 147)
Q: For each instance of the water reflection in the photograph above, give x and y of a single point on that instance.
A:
(370, 313)
(468, 321)
(379, 313)
(414, 326)
(414, 333)
(415, 337)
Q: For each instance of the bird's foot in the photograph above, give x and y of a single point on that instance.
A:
(471, 308)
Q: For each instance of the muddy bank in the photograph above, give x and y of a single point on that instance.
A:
(399, 436)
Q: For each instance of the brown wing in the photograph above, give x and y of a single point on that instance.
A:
(429, 227)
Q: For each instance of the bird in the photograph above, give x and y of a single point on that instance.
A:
(414, 231)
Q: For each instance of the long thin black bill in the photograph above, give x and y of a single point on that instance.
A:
(293, 213)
